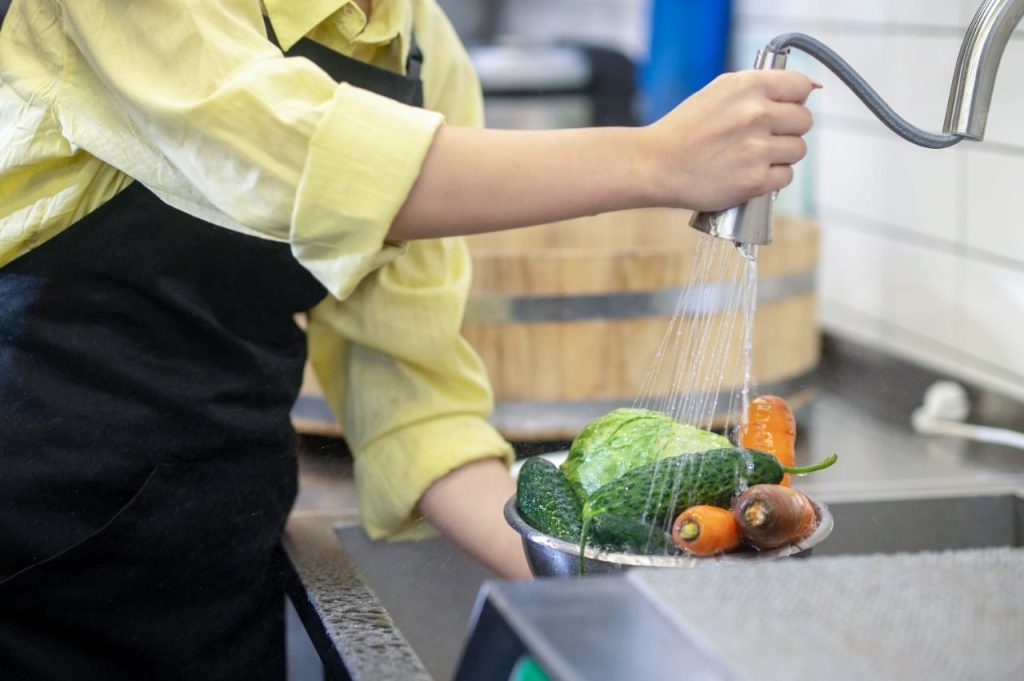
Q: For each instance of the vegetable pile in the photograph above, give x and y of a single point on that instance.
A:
(638, 481)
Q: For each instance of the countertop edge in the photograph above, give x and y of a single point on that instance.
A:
(349, 627)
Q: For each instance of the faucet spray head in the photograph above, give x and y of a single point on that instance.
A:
(750, 222)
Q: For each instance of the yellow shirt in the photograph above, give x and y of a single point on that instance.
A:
(192, 100)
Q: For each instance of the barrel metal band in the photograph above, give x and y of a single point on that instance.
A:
(687, 301)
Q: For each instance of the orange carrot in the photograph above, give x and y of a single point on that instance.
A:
(770, 516)
(706, 530)
(771, 428)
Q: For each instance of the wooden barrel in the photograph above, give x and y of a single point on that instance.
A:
(567, 317)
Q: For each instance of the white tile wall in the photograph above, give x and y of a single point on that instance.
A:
(950, 13)
(905, 285)
(995, 183)
(855, 10)
(801, 10)
(992, 312)
(922, 251)
(882, 179)
(943, 13)
(752, 8)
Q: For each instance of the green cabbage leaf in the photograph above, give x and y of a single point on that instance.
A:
(623, 439)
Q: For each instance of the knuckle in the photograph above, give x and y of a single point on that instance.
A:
(756, 112)
(729, 77)
(776, 79)
(754, 150)
(725, 79)
(749, 79)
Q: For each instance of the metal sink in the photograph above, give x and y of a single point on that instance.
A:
(925, 524)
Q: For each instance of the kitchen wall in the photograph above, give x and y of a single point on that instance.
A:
(922, 251)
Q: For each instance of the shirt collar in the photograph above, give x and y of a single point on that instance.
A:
(292, 20)
(389, 20)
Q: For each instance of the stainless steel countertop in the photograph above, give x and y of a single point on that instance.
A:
(387, 611)
(862, 412)
(904, 617)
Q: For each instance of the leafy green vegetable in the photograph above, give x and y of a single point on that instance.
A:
(626, 438)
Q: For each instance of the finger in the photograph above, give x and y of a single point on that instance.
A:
(787, 150)
(779, 176)
(790, 119)
(786, 86)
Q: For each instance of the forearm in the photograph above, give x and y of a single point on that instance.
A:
(466, 505)
(735, 139)
(484, 180)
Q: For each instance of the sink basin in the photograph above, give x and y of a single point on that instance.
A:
(925, 524)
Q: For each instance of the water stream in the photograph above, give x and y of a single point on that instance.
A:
(701, 373)
(706, 352)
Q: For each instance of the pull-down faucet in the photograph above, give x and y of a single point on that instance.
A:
(975, 72)
(966, 112)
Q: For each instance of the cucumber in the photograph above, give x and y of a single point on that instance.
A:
(657, 492)
(546, 500)
(617, 533)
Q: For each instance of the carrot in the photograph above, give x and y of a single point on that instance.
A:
(771, 428)
(705, 530)
(770, 516)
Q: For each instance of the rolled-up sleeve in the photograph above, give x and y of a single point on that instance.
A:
(412, 395)
(272, 146)
(242, 137)
(370, 151)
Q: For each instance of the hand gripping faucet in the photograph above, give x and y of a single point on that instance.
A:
(966, 113)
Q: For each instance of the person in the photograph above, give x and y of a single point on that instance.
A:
(177, 182)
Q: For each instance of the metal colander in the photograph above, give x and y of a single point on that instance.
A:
(552, 557)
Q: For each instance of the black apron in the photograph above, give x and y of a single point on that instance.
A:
(148, 364)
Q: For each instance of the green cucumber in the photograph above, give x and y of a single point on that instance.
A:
(657, 492)
(628, 535)
(547, 501)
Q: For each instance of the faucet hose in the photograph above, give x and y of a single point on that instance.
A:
(864, 92)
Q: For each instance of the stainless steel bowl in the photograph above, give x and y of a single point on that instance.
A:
(552, 557)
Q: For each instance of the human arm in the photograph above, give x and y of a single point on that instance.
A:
(273, 146)
(276, 147)
(192, 100)
(735, 139)
(463, 506)
(413, 398)
(208, 114)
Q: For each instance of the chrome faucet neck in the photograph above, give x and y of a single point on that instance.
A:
(970, 94)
